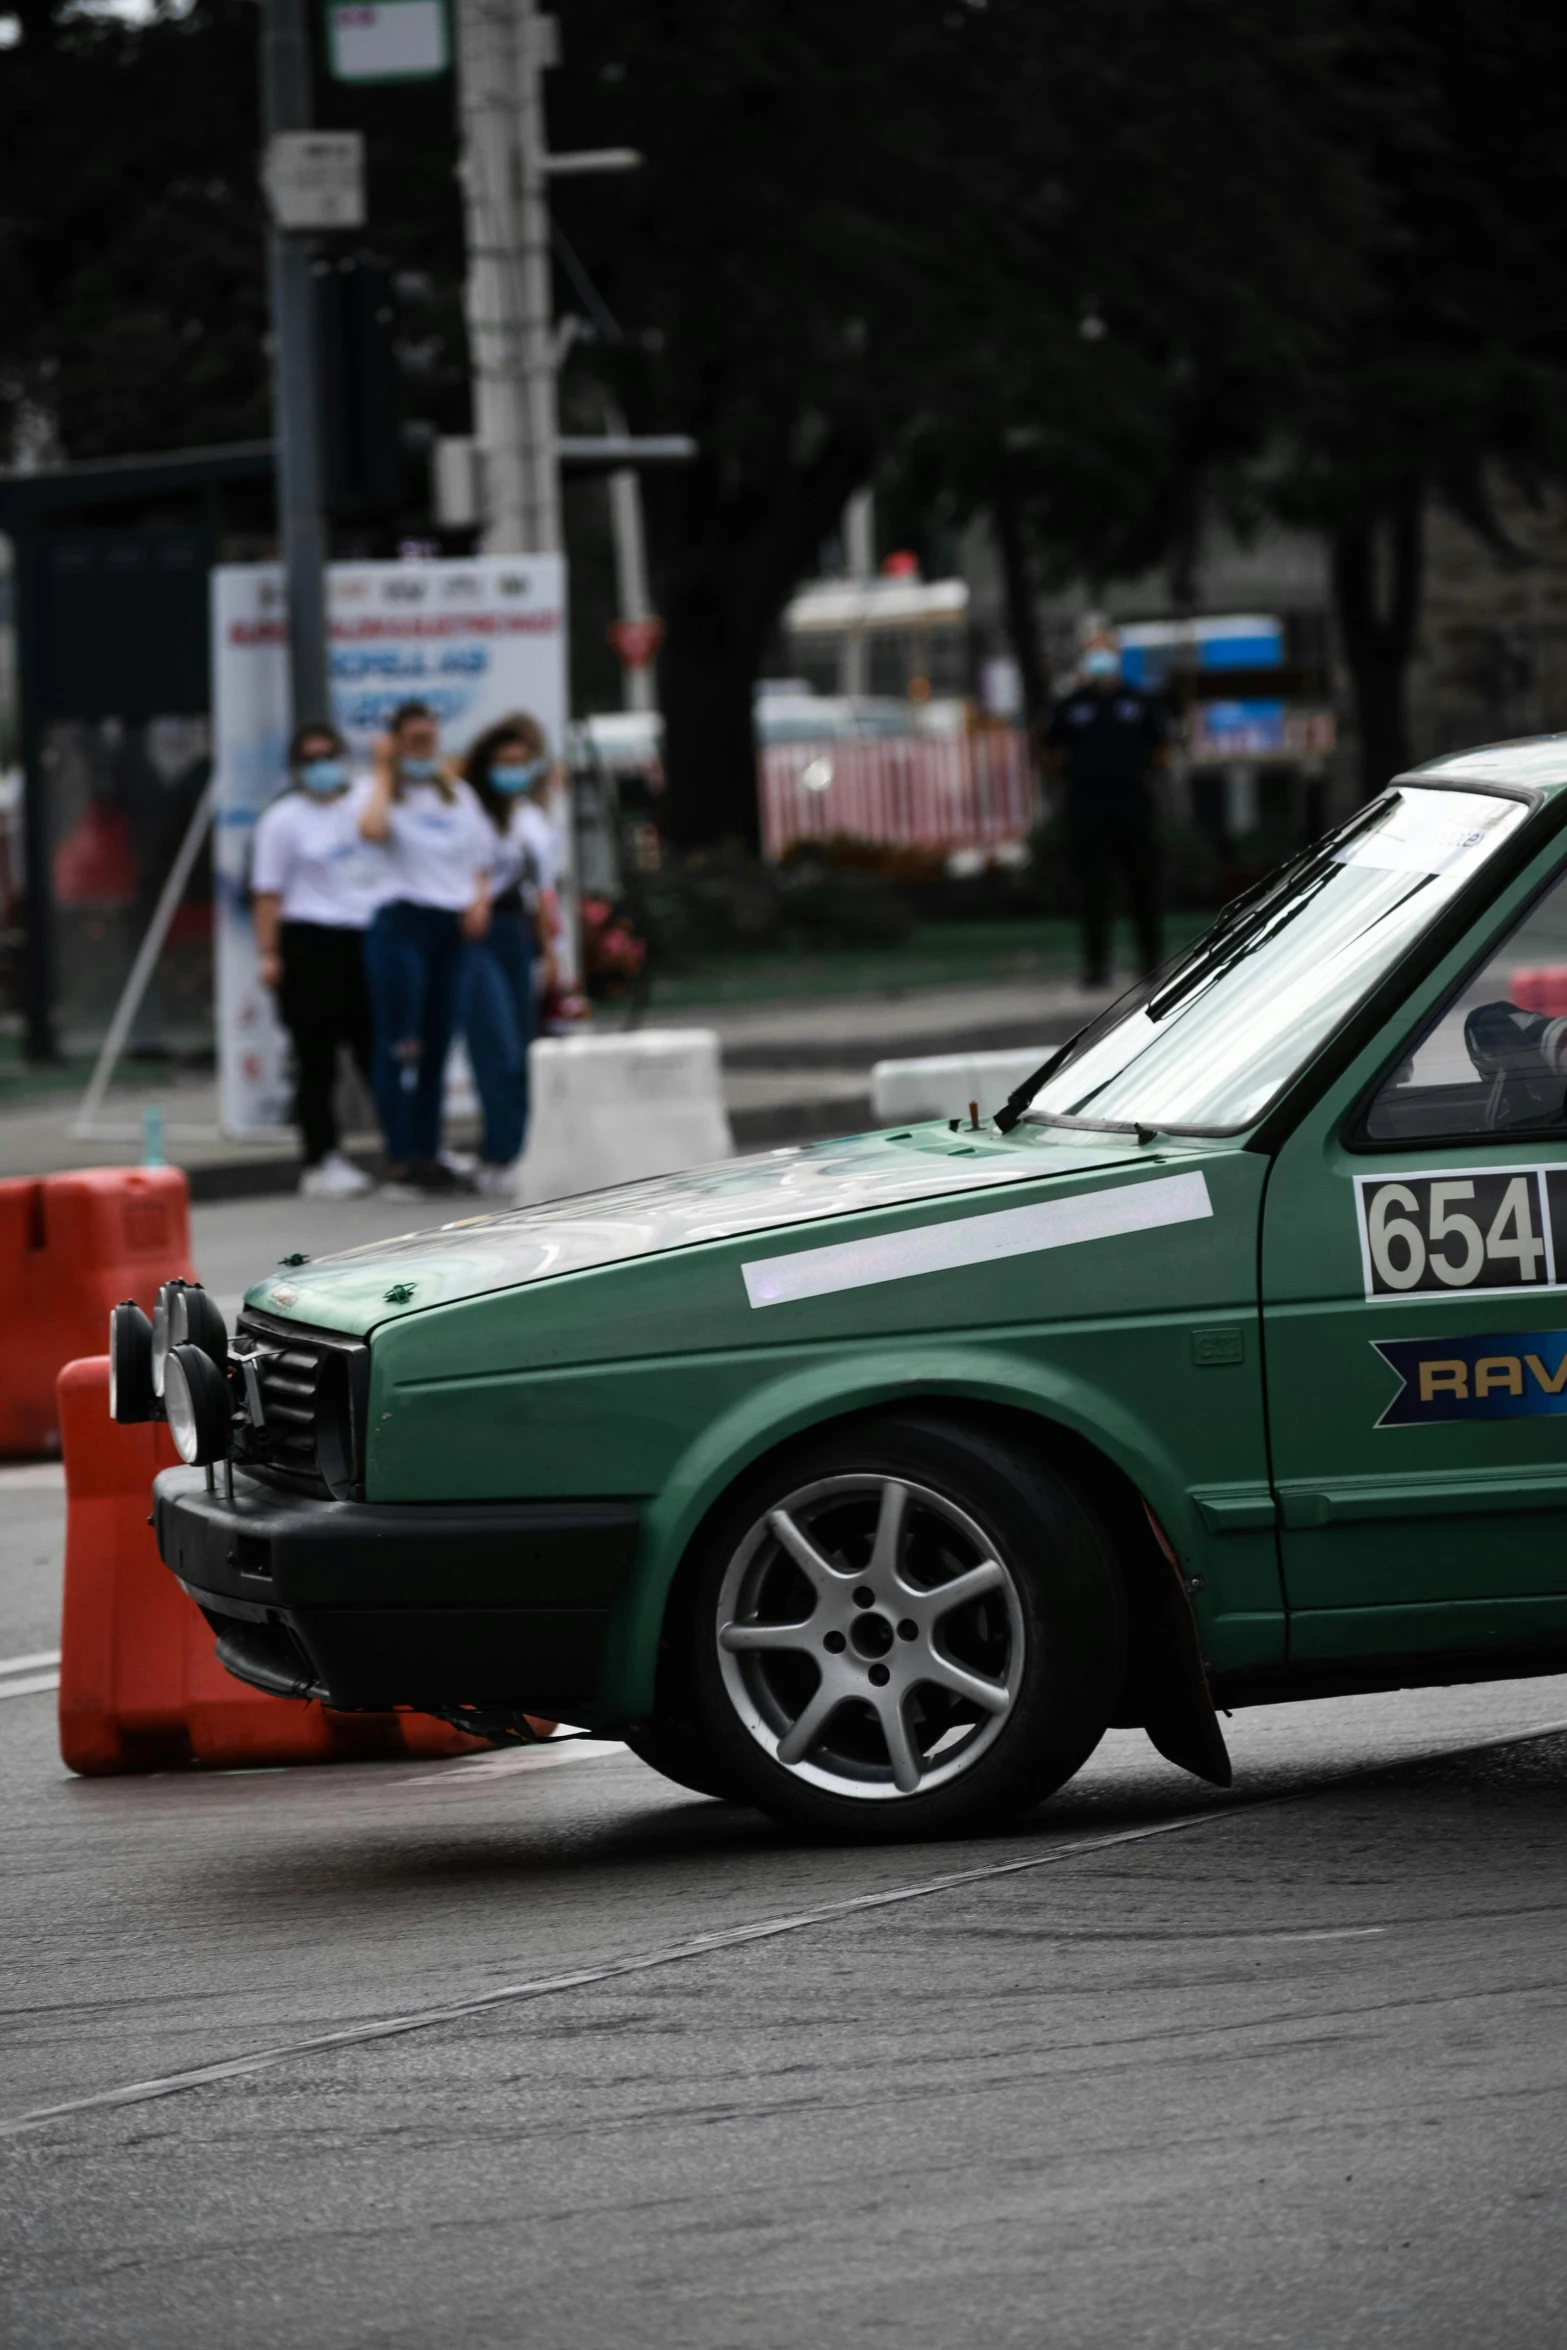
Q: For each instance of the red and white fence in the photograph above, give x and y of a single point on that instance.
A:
(920, 791)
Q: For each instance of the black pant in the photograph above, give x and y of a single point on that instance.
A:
(324, 1004)
(1110, 825)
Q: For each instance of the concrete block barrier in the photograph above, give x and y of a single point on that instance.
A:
(608, 1109)
(140, 1686)
(943, 1085)
(72, 1246)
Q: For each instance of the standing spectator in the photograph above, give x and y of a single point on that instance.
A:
(508, 766)
(313, 891)
(1108, 739)
(439, 847)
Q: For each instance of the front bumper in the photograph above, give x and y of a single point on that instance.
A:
(369, 1605)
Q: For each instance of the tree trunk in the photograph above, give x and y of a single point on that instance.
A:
(1377, 570)
(727, 556)
(1022, 620)
(706, 674)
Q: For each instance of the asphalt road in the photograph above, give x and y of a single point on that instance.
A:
(1161, 2068)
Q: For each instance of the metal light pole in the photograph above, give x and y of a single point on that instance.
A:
(285, 103)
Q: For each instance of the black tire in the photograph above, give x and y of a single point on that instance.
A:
(991, 1701)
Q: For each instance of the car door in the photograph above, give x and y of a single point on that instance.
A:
(1414, 1284)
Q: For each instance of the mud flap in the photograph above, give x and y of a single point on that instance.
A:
(1178, 1712)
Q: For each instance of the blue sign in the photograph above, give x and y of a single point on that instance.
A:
(1504, 1375)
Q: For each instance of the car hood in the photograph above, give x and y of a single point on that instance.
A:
(359, 1289)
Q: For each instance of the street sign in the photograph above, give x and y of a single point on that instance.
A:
(636, 641)
(315, 179)
(387, 40)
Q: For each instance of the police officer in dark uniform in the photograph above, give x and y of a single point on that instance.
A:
(1107, 740)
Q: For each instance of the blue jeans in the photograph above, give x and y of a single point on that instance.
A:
(497, 1020)
(413, 956)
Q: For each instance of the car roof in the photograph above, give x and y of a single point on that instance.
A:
(1537, 762)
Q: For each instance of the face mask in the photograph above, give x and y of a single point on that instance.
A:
(517, 777)
(323, 775)
(1101, 662)
(420, 770)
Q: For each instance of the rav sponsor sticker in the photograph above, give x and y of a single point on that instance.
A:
(1472, 1231)
(1503, 1375)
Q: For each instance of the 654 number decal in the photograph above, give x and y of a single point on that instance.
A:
(1462, 1230)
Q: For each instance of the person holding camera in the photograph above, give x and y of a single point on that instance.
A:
(438, 846)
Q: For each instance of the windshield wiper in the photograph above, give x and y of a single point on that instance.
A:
(1217, 949)
(1018, 1099)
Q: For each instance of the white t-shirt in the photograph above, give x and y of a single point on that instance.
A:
(308, 852)
(529, 854)
(438, 847)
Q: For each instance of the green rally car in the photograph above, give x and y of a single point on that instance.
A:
(870, 1481)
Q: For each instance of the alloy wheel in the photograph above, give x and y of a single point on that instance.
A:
(870, 1637)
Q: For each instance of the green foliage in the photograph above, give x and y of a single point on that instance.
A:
(132, 230)
(725, 902)
(1195, 874)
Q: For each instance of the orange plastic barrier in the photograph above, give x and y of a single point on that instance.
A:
(140, 1687)
(71, 1246)
(1540, 987)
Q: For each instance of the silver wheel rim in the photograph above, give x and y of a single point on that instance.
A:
(871, 1637)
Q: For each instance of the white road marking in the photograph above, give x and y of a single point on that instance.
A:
(33, 1477)
(31, 1688)
(977, 1240)
(237, 2068)
(29, 1664)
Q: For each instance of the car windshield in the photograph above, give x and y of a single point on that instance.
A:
(1210, 1041)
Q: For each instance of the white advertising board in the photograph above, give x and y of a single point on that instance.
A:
(388, 40)
(474, 640)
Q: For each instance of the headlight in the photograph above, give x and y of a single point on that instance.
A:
(130, 1366)
(196, 1404)
(184, 1315)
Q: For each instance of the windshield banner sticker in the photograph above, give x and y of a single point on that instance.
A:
(1463, 1232)
(1506, 1375)
(977, 1240)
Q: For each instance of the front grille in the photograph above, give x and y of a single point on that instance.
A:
(290, 1383)
(313, 1388)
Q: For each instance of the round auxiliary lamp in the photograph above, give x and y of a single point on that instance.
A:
(174, 1368)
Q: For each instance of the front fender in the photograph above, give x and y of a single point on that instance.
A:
(800, 1400)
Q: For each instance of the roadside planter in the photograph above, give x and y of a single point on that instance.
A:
(871, 1481)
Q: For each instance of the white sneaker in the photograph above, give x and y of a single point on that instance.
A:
(497, 1182)
(335, 1178)
(460, 1162)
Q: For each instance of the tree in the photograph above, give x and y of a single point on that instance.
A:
(1051, 262)
(781, 274)
(1454, 364)
(132, 233)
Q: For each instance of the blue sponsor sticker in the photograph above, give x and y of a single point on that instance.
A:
(1506, 1375)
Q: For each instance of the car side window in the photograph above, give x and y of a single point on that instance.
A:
(1494, 1060)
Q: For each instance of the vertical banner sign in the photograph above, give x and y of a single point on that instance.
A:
(475, 640)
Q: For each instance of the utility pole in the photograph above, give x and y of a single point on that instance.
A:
(487, 71)
(285, 100)
(504, 50)
(859, 548)
(538, 48)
